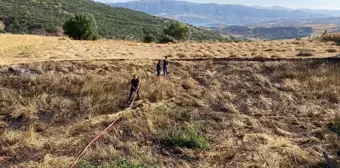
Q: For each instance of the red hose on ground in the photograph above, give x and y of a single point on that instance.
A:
(74, 163)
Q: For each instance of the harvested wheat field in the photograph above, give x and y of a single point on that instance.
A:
(212, 113)
(27, 48)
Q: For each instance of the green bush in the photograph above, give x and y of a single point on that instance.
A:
(81, 27)
(167, 39)
(51, 30)
(149, 38)
(16, 26)
(188, 137)
(178, 30)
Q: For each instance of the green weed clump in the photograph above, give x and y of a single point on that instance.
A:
(188, 137)
(116, 164)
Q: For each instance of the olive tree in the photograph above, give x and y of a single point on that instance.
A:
(179, 31)
(81, 27)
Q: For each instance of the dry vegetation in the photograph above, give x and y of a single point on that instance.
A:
(205, 114)
(18, 48)
(335, 37)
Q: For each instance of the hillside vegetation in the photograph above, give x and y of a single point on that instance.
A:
(48, 16)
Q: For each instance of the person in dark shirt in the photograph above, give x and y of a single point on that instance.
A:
(166, 66)
(134, 87)
(159, 68)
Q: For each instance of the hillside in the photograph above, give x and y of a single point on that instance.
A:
(269, 33)
(319, 25)
(48, 16)
(206, 14)
(207, 113)
(328, 12)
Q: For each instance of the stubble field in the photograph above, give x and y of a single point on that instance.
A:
(209, 113)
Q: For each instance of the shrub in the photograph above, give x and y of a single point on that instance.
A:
(167, 39)
(149, 38)
(305, 53)
(188, 137)
(82, 27)
(179, 31)
(52, 30)
(15, 25)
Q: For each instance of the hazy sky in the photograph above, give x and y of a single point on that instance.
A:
(314, 4)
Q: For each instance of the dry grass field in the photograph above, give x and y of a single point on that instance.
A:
(213, 113)
(25, 49)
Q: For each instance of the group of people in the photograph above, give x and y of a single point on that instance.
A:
(135, 81)
(165, 67)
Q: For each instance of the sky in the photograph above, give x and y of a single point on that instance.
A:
(295, 4)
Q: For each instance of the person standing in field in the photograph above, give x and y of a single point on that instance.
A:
(166, 66)
(159, 68)
(134, 87)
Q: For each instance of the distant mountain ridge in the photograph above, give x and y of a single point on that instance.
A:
(205, 14)
(332, 13)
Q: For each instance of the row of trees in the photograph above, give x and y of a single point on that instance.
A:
(84, 27)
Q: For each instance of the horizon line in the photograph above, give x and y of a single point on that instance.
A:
(248, 5)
